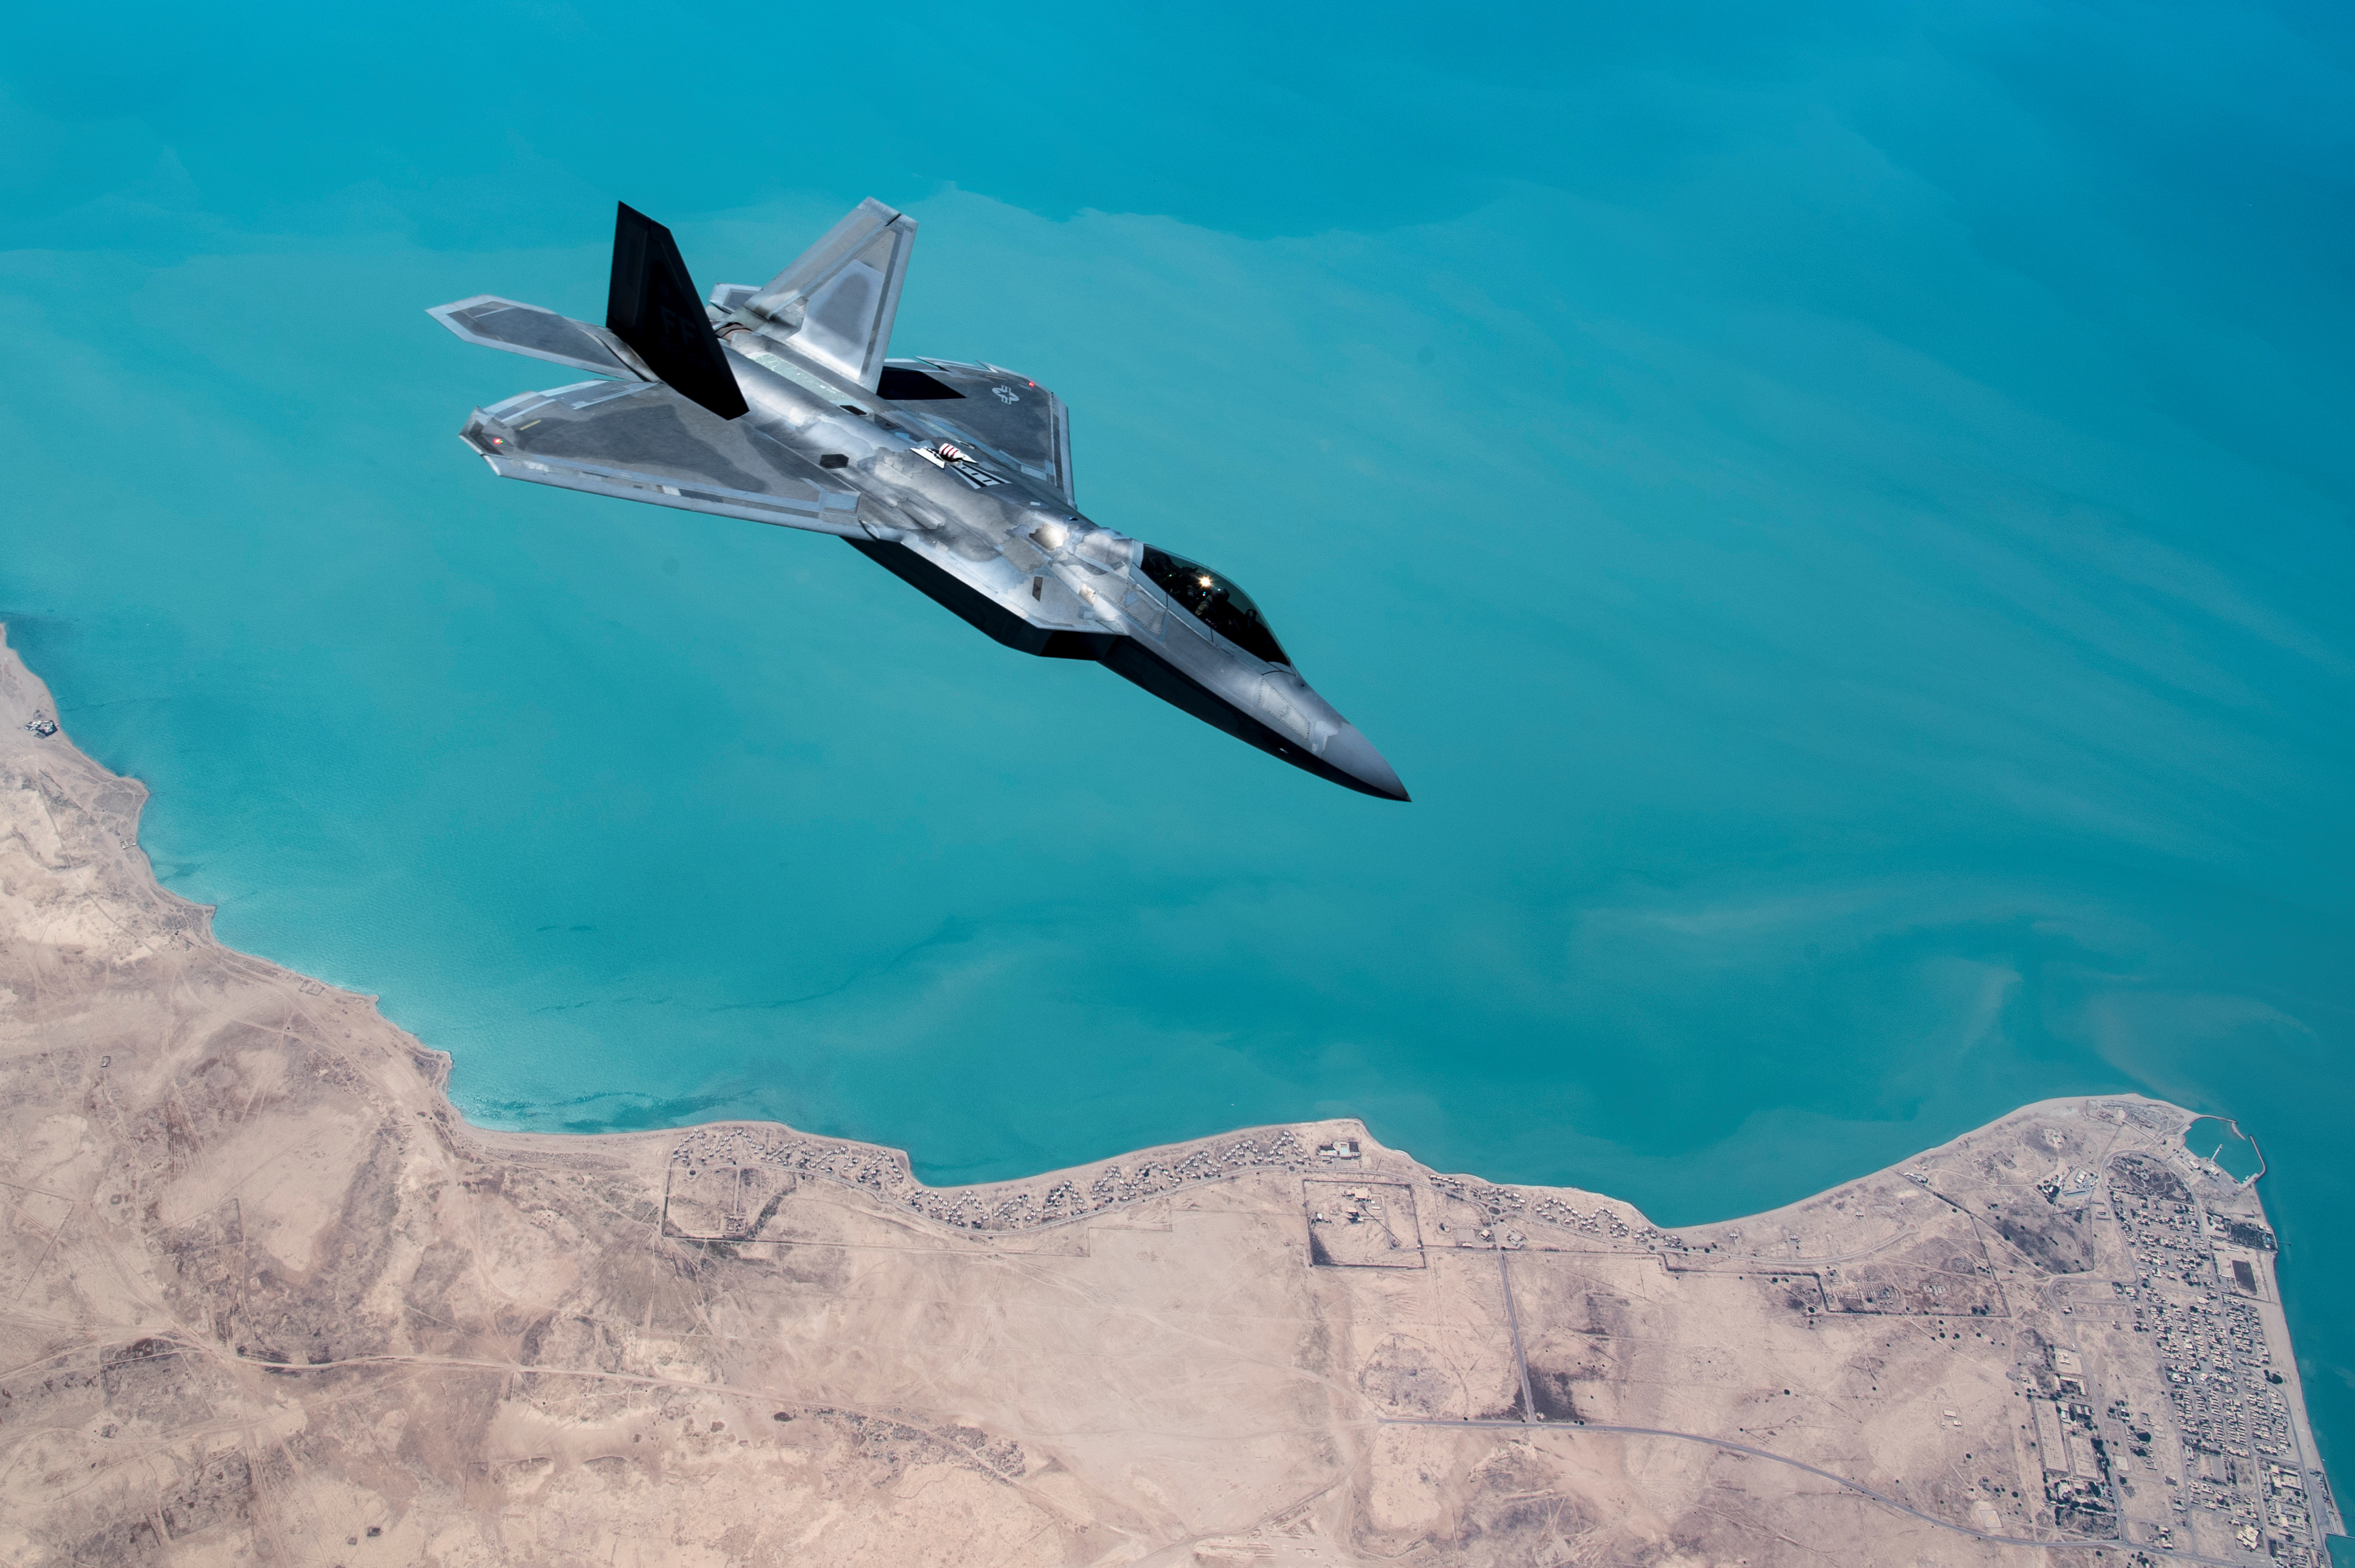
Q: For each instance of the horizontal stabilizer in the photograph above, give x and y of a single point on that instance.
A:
(495, 323)
(641, 441)
(653, 307)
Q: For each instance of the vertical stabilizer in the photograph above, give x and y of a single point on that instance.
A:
(835, 306)
(653, 307)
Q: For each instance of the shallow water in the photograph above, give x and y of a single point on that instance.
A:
(2215, 1139)
(1843, 528)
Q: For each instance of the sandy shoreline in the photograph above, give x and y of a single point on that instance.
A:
(263, 1293)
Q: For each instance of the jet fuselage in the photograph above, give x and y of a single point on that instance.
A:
(971, 504)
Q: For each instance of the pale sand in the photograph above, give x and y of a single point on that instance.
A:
(262, 1293)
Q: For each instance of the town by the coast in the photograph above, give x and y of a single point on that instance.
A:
(265, 1297)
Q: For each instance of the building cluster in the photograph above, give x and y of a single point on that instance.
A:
(1499, 1204)
(1028, 1205)
(2238, 1465)
(1354, 1206)
(2079, 1478)
(1006, 1206)
(2240, 1460)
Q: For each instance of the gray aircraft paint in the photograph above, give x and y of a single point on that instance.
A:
(976, 489)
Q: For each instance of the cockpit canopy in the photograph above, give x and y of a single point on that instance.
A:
(1216, 603)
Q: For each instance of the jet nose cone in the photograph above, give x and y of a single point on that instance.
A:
(1355, 756)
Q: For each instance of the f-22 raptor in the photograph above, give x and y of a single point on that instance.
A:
(779, 405)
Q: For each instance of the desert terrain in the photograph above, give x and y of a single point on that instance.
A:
(265, 1296)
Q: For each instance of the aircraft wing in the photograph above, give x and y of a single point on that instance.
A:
(1003, 415)
(640, 440)
(497, 322)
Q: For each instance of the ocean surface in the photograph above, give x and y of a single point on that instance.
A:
(1841, 516)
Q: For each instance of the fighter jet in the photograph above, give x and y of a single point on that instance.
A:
(778, 404)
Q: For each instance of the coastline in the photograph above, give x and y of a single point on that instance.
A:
(234, 1190)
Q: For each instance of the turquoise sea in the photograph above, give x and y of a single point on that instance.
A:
(1840, 514)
